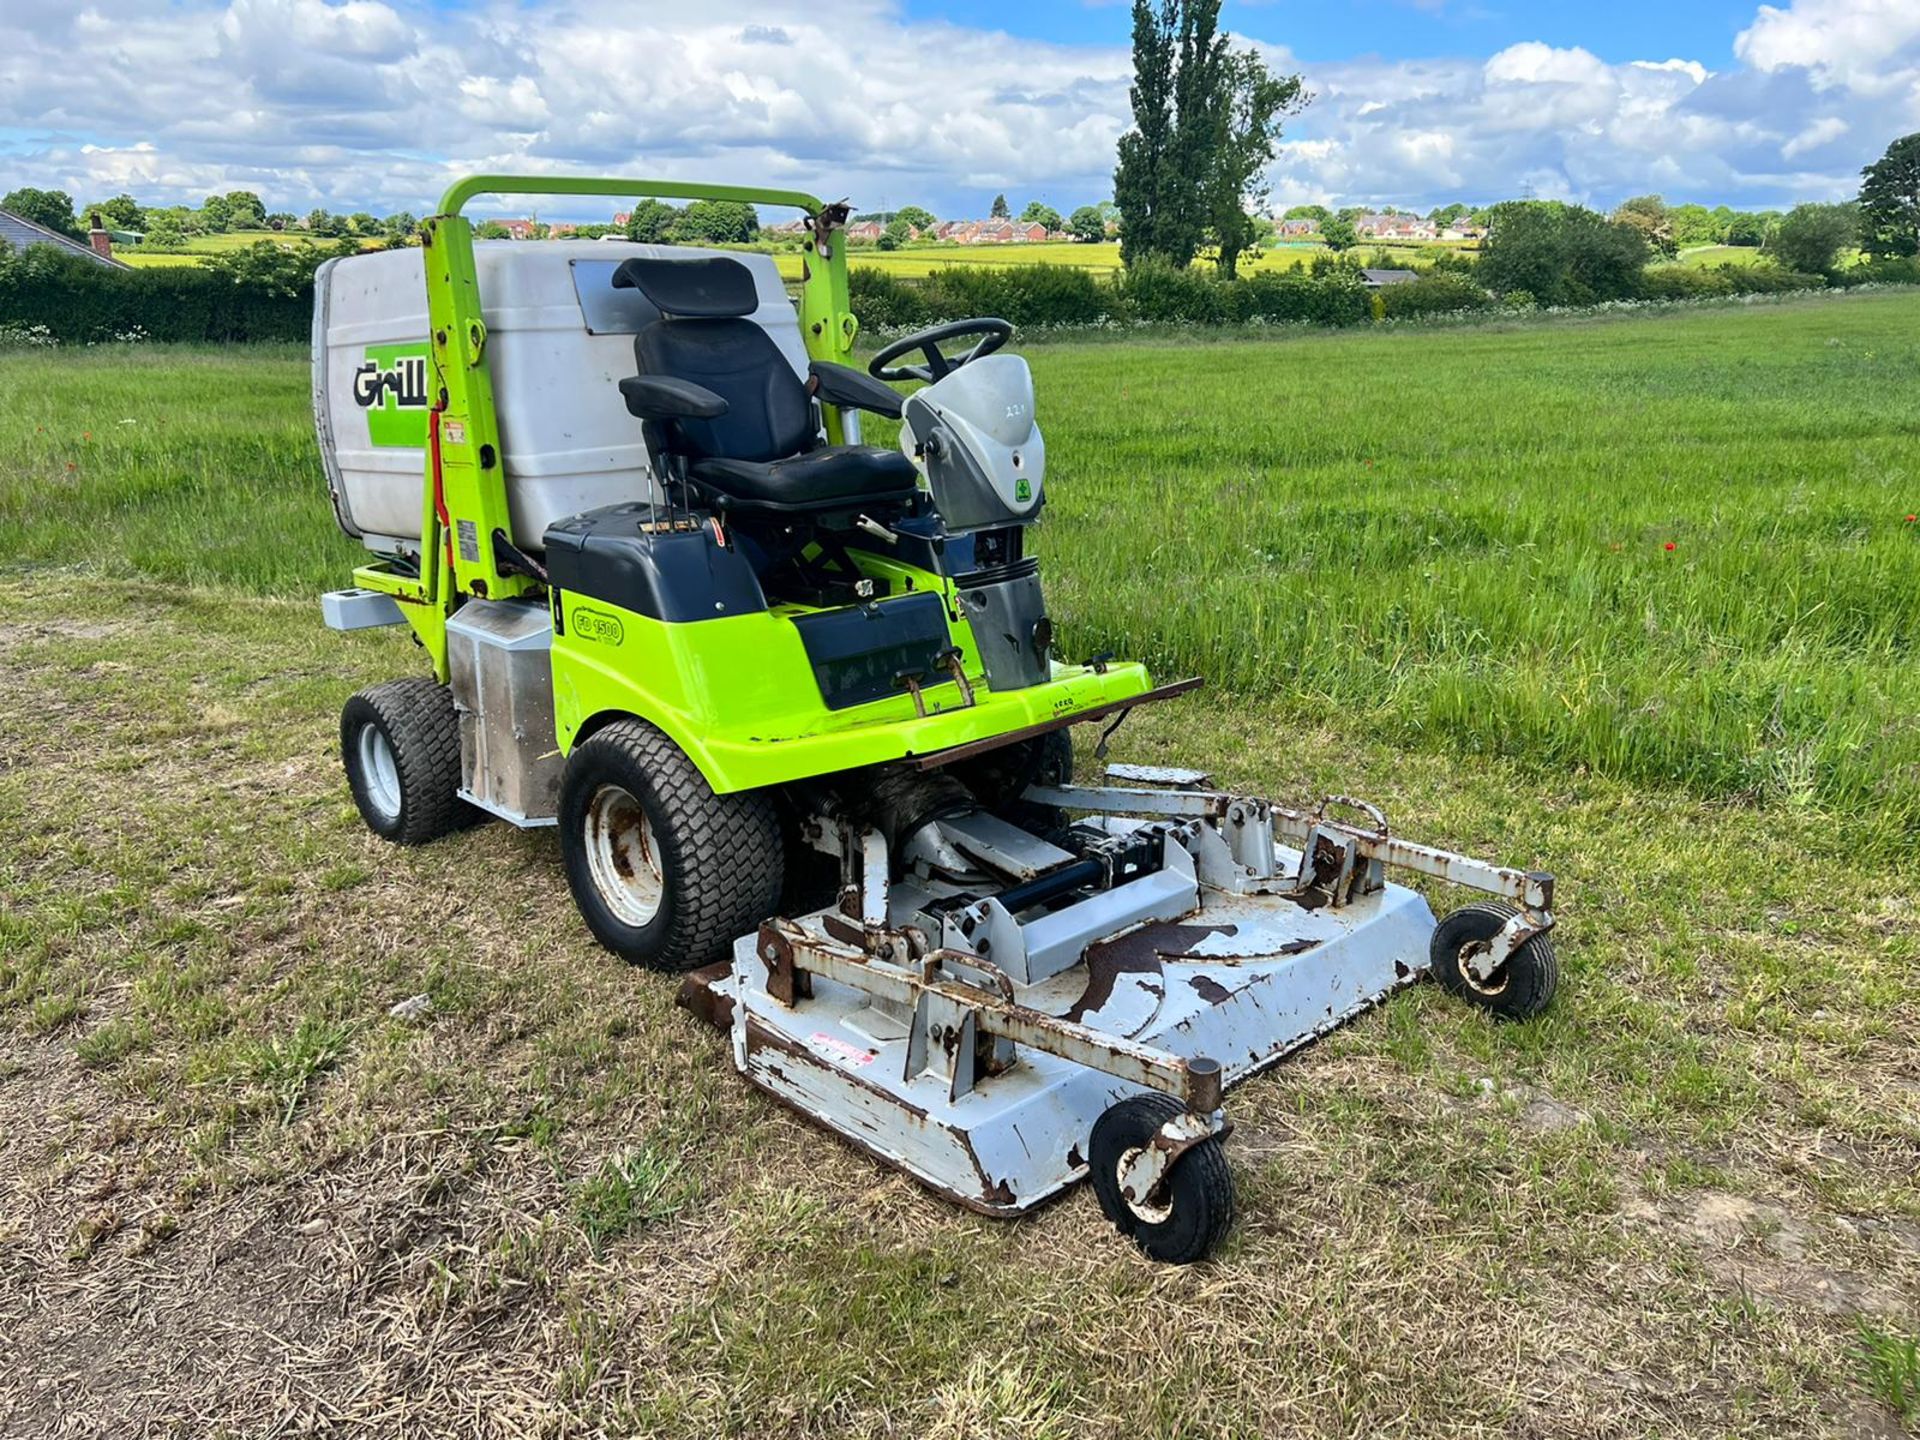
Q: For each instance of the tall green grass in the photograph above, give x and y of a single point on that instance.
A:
(1455, 538)
(186, 463)
(1462, 538)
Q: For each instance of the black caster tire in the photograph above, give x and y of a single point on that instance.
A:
(666, 873)
(1198, 1206)
(400, 743)
(1518, 990)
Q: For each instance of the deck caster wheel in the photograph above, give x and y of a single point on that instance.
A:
(400, 743)
(1519, 989)
(1193, 1211)
(665, 872)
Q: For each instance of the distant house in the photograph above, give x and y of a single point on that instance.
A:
(17, 233)
(519, 229)
(1295, 229)
(866, 230)
(1378, 279)
(1395, 227)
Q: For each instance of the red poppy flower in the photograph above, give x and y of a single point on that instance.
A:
(1669, 545)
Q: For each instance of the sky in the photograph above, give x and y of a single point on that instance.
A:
(379, 104)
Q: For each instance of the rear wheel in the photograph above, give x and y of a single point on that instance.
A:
(400, 743)
(665, 872)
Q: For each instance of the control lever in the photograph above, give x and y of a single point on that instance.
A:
(909, 680)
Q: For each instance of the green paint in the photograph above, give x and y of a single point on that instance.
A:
(391, 386)
(738, 695)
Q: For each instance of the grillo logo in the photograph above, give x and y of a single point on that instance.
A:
(390, 387)
(598, 626)
(404, 378)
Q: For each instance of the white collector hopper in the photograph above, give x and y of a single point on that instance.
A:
(559, 341)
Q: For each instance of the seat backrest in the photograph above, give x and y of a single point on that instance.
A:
(703, 336)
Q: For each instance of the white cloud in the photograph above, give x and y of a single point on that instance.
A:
(1866, 46)
(378, 103)
(1828, 127)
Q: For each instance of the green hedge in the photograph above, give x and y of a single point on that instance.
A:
(78, 301)
(1679, 282)
(1440, 293)
(1036, 295)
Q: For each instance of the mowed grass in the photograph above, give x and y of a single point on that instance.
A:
(236, 1196)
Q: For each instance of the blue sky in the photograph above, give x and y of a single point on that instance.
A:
(378, 104)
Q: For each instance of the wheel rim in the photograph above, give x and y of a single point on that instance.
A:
(379, 772)
(1145, 1213)
(622, 856)
(1496, 983)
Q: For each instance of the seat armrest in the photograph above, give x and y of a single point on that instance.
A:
(844, 386)
(661, 397)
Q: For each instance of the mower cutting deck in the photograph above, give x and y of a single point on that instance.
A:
(1008, 1015)
(683, 616)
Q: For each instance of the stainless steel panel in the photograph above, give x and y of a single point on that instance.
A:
(500, 668)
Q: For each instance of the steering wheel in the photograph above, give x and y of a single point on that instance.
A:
(993, 334)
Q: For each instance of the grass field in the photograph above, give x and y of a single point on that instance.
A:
(201, 248)
(1431, 568)
(914, 262)
(918, 262)
(1701, 255)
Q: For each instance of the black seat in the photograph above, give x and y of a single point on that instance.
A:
(833, 476)
(727, 401)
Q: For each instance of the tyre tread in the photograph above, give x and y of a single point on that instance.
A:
(423, 727)
(1204, 1168)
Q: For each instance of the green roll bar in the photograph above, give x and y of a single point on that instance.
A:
(464, 497)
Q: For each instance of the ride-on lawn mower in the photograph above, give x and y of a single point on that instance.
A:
(794, 705)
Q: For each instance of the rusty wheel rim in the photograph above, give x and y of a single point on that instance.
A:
(1146, 1213)
(622, 856)
(1494, 984)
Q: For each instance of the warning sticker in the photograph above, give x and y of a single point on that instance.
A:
(851, 1057)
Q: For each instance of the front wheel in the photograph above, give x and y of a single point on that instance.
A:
(665, 872)
(1191, 1213)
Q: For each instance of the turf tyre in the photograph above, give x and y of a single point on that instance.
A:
(1520, 989)
(717, 858)
(400, 743)
(1198, 1190)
